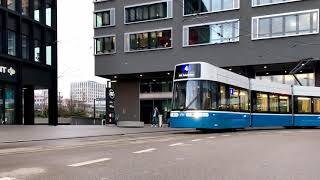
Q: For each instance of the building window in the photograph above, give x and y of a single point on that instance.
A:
(207, 6)
(147, 12)
(11, 4)
(36, 10)
(160, 39)
(211, 33)
(25, 7)
(316, 105)
(49, 12)
(24, 47)
(304, 105)
(269, 2)
(105, 45)
(37, 52)
(12, 43)
(283, 25)
(48, 55)
(284, 104)
(105, 18)
(262, 102)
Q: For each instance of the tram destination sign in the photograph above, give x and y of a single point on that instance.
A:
(8, 72)
(188, 71)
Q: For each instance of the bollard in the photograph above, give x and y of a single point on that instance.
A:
(160, 120)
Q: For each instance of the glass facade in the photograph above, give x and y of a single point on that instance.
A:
(11, 4)
(291, 24)
(7, 105)
(206, 6)
(214, 33)
(155, 86)
(105, 45)
(306, 79)
(149, 40)
(146, 12)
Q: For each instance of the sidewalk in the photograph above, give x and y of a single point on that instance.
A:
(11, 134)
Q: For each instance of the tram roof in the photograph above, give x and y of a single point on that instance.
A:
(306, 91)
(266, 86)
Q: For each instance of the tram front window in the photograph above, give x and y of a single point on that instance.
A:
(194, 95)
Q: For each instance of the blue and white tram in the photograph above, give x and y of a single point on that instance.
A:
(208, 97)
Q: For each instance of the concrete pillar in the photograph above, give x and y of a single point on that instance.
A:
(53, 101)
(29, 105)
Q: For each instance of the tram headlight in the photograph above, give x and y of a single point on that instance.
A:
(173, 114)
(197, 115)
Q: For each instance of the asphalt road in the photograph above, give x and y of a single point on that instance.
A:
(190, 155)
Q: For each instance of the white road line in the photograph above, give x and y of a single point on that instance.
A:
(225, 135)
(176, 144)
(89, 162)
(212, 137)
(145, 151)
(244, 133)
(7, 178)
(305, 131)
(196, 140)
(263, 132)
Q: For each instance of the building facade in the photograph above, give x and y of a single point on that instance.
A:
(28, 58)
(87, 92)
(138, 42)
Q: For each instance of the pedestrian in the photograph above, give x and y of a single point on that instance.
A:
(155, 114)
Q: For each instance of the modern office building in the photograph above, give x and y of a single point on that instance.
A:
(87, 91)
(138, 42)
(28, 58)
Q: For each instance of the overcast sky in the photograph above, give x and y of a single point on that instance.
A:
(75, 47)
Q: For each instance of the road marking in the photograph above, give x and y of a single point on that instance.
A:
(89, 162)
(225, 135)
(7, 178)
(176, 144)
(212, 137)
(244, 133)
(145, 151)
(306, 131)
(263, 132)
(196, 140)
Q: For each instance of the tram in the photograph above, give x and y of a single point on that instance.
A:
(208, 97)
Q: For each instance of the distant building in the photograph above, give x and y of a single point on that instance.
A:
(41, 99)
(87, 91)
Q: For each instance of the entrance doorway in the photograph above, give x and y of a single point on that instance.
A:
(147, 106)
(7, 105)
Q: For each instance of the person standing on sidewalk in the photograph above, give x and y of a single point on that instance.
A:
(155, 114)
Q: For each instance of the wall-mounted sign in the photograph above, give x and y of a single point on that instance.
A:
(8, 72)
(188, 71)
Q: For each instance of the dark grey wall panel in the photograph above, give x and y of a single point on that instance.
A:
(127, 100)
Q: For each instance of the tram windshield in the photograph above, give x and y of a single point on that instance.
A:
(195, 95)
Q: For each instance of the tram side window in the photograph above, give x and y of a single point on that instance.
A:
(262, 102)
(244, 100)
(304, 105)
(234, 99)
(284, 104)
(209, 95)
(316, 105)
(273, 103)
(180, 96)
(223, 98)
